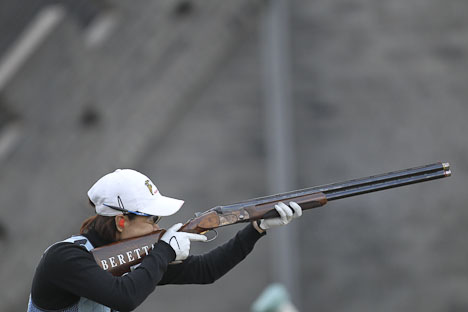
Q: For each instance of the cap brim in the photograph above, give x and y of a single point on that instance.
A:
(163, 206)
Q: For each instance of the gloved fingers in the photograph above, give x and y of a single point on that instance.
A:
(280, 211)
(297, 209)
(289, 212)
(175, 227)
(284, 211)
(196, 237)
(286, 215)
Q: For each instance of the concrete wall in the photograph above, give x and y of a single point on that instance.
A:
(381, 86)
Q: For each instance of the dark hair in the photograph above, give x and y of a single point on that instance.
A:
(103, 225)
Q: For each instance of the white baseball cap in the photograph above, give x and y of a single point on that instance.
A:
(127, 190)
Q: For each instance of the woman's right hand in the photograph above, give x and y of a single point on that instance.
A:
(180, 241)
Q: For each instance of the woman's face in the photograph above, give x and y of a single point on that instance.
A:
(137, 226)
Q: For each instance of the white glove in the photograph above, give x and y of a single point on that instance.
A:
(286, 215)
(180, 241)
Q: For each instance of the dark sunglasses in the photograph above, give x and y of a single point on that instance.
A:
(154, 219)
(151, 219)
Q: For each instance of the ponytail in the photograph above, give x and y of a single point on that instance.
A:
(104, 226)
(87, 224)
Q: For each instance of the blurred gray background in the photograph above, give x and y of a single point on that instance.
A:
(181, 90)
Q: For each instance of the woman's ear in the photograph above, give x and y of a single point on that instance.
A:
(120, 223)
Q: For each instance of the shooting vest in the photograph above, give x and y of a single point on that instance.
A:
(84, 304)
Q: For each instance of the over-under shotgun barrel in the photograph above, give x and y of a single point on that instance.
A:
(263, 207)
(117, 258)
(355, 187)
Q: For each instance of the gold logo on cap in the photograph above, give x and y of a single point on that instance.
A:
(149, 186)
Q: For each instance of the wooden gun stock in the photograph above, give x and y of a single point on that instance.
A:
(118, 258)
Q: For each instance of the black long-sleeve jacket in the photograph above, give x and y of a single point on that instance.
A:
(68, 271)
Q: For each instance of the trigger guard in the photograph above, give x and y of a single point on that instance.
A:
(213, 238)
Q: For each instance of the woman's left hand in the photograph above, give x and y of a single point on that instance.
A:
(287, 214)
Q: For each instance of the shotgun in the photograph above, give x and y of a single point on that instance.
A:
(120, 257)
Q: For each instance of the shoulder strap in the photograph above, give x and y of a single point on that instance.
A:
(79, 240)
(76, 239)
